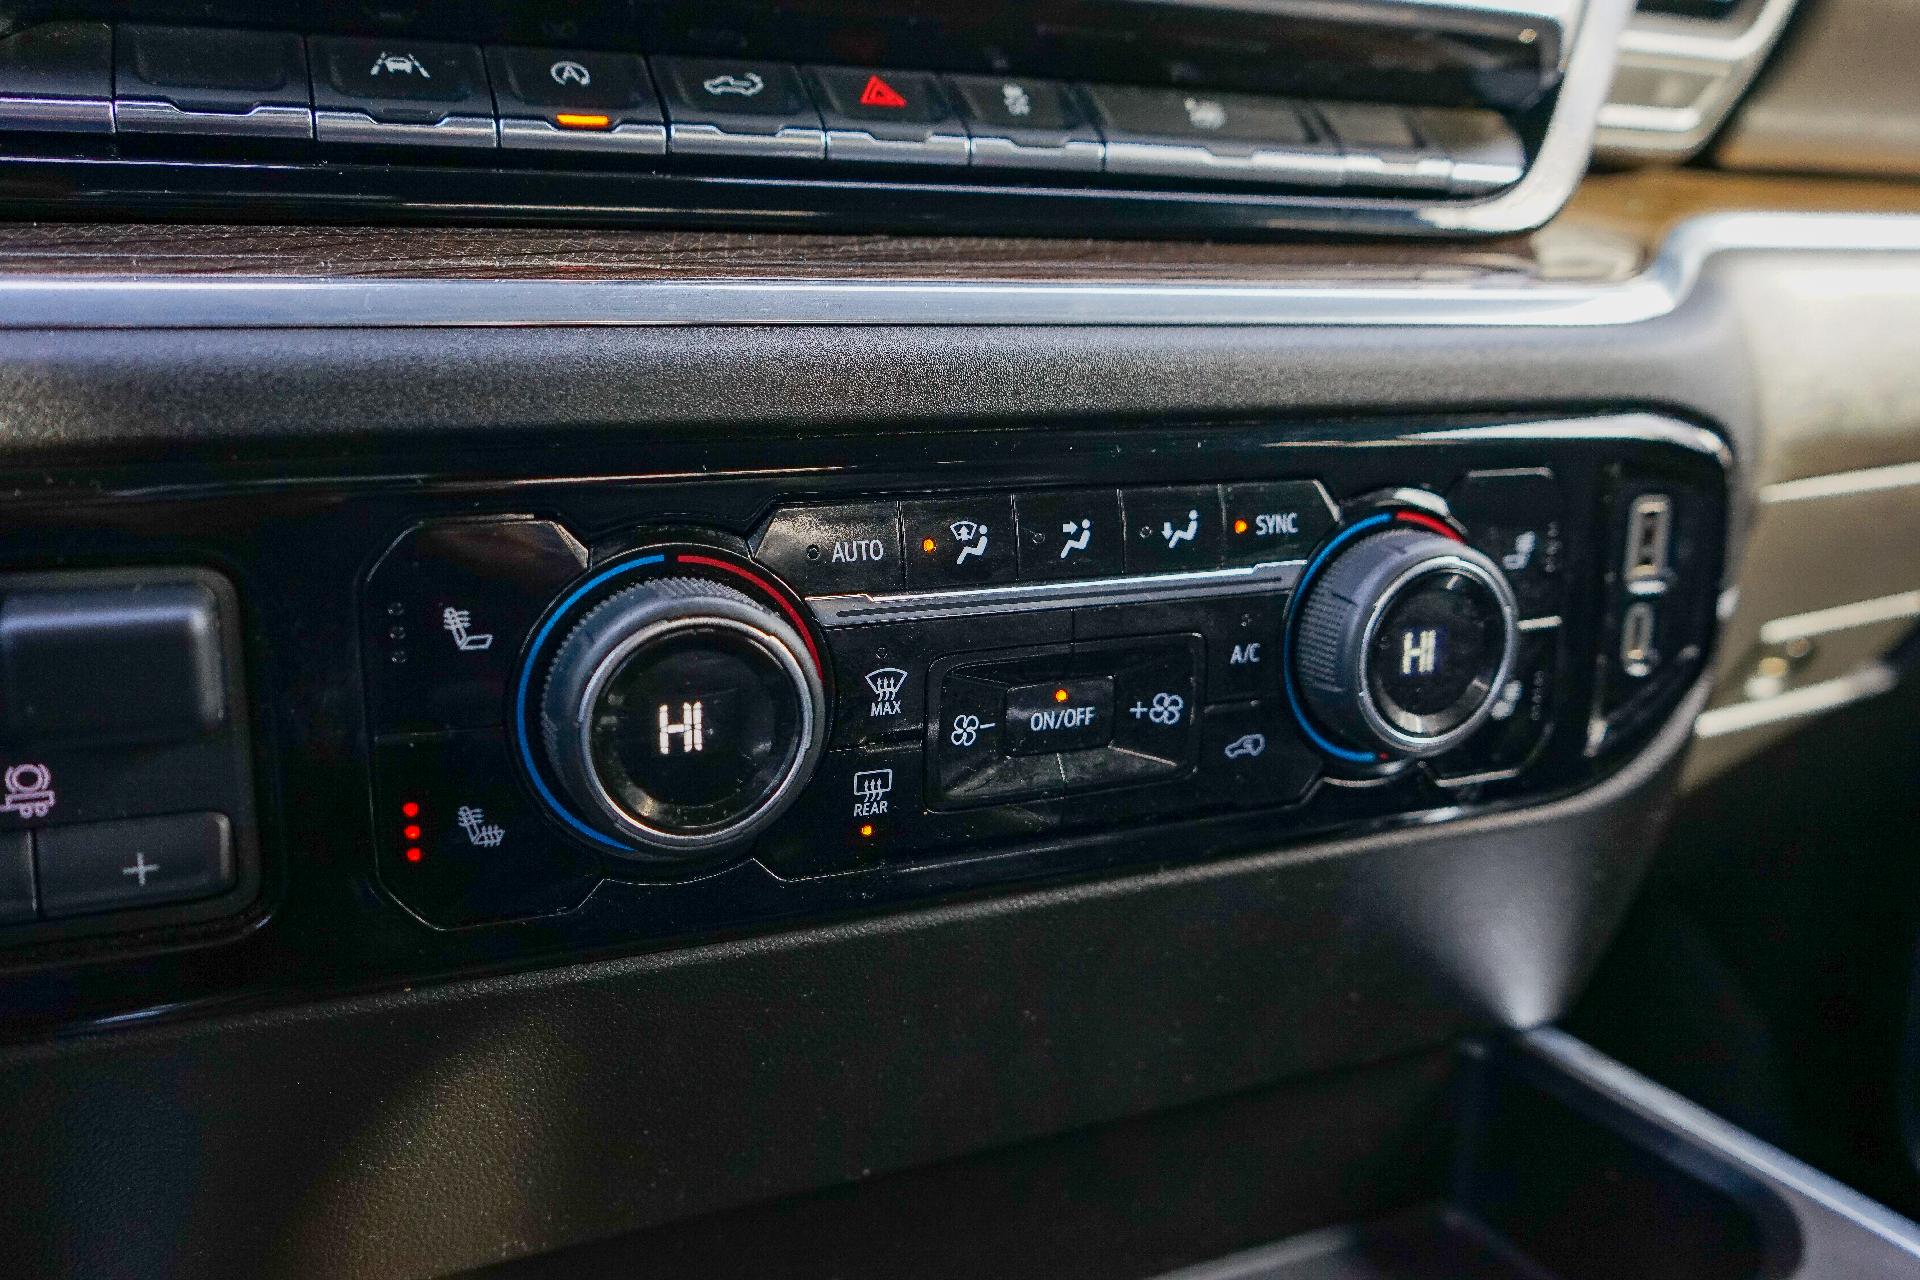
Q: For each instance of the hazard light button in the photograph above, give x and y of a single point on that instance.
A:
(892, 117)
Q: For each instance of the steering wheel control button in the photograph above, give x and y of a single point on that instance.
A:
(1403, 641)
(889, 117)
(682, 716)
(18, 901)
(127, 865)
(1172, 530)
(460, 842)
(1059, 715)
(1275, 521)
(57, 77)
(1070, 535)
(445, 613)
(139, 663)
(960, 542)
(1516, 518)
(825, 551)
(1251, 755)
(401, 91)
(1236, 137)
(733, 107)
(1022, 123)
(193, 80)
(573, 100)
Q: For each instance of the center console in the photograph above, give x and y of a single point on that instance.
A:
(548, 711)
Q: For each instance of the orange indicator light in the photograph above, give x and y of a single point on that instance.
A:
(866, 831)
(1239, 526)
(927, 545)
(1059, 695)
(574, 120)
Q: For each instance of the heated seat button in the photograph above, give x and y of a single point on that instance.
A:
(555, 99)
(1022, 123)
(1251, 754)
(825, 551)
(139, 862)
(728, 106)
(460, 842)
(137, 663)
(1172, 530)
(1280, 520)
(1515, 519)
(193, 80)
(1070, 535)
(1062, 715)
(959, 542)
(445, 613)
(1521, 718)
(899, 117)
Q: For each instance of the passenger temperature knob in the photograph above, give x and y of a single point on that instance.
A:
(682, 716)
(1401, 641)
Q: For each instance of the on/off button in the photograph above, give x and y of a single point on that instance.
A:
(1067, 715)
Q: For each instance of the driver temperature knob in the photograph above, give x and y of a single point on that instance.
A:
(1401, 643)
(682, 716)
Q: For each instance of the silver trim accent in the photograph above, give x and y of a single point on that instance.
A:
(1076, 155)
(853, 610)
(1320, 166)
(56, 115)
(1843, 484)
(1842, 617)
(201, 302)
(358, 126)
(268, 120)
(1547, 623)
(521, 134)
(790, 142)
(1808, 700)
(860, 146)
(1728, 52)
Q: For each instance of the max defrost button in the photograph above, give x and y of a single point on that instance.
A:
(824, 551)
(140, 862)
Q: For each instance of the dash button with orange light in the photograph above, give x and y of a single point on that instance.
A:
(1278, 520)
(570, 100)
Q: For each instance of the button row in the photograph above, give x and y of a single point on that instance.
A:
(94, 78)
(996, 539)
(59, 872)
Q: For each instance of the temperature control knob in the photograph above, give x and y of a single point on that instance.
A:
(682, 716)
(1402, 639)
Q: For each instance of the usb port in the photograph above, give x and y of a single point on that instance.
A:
(1637, 654)
(1649, 535)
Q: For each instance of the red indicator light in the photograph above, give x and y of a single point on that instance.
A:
(411, 833)
(410, 809)
(414, 854)
(580, 120)
(879, 93)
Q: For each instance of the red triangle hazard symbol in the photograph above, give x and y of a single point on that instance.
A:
(879, 93)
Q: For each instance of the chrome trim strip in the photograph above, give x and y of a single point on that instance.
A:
(222, 302)
(1547, 623)
(1808, 700)
(851, 610)
(1728, 52)
(268, 120)
(1841, 617)
(1843, 484)
(519, 133)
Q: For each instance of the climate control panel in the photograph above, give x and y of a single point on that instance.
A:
(859, 695)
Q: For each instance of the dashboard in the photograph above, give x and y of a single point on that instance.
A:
(1068, 639)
